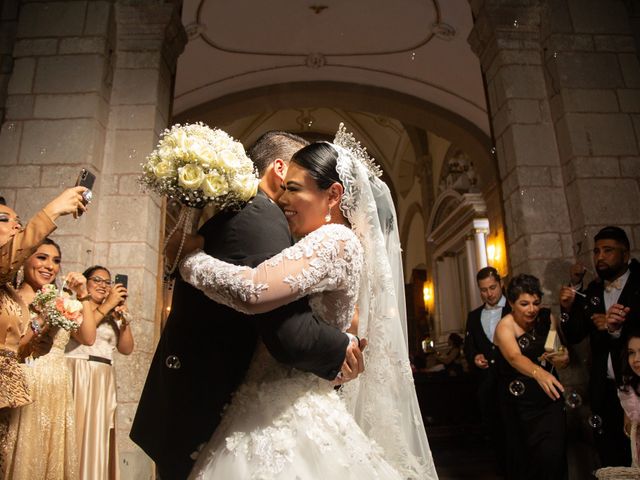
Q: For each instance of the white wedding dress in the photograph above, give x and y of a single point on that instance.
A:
(283, 423)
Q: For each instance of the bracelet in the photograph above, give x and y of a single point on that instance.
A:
(85, 298)
(36, 327)
(533, 374)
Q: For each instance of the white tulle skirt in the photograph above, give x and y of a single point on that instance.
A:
(283, 425)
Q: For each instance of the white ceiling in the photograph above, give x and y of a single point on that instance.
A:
(416, 47)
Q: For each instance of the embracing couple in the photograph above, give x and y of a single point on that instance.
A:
(275, 339)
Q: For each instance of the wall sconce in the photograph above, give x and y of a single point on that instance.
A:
(494, 252)
(427, 295)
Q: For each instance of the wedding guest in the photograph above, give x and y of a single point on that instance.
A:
(530, 391)
(629, 390)
(452, 357)
(94, 385)
(16, 245)
(44, 431)
(600, 312)
(481, 355)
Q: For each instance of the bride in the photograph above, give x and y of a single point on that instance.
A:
(283, 423)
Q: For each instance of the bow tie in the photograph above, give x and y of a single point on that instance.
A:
(617, 284)
(497, 307)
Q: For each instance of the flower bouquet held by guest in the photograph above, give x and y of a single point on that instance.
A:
(94, 385)
(44, 431)
(16, 245)
(530, 392)
(199, 166)
(283, 423)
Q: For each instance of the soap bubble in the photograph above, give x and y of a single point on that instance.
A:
(595, 422)
(516, 388)
(524, 342)
(173, 362)
(573, 399)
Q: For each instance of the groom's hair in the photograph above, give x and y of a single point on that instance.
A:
(274, 144)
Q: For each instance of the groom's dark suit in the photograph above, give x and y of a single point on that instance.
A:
(212, 345)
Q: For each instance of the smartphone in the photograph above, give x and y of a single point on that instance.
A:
(85, 179)
(122, 279)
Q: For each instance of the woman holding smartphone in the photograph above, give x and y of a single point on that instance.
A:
(94, 386)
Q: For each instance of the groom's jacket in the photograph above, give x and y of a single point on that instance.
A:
(205, 348)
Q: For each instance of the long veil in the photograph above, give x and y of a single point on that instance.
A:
(383, 400)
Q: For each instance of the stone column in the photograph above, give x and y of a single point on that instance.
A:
(593, 78)
(57, 112)
(472, 270)
(506, 38)
(91, 86)
(8, 27)
(149, 39)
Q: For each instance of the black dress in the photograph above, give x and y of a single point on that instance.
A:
(535, 424)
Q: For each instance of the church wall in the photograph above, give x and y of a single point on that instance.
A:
(91, 86)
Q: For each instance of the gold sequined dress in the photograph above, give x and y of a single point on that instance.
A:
(14, 319)
(44, 431)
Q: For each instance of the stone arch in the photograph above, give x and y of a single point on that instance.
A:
(414, 210)
(406, 108)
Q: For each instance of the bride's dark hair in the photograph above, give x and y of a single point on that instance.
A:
(319, 159)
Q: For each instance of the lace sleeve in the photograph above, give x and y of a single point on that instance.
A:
(321, 261)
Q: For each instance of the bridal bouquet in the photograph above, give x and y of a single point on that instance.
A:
(57, 310)
(197, 166)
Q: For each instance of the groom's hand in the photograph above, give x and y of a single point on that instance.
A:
(353, 364)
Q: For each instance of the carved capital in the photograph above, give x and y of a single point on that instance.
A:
(504, 25)
(149, 26)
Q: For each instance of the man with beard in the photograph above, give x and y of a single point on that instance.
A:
(481, 353)
(603, 311)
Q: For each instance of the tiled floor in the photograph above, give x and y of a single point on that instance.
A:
(460, 453)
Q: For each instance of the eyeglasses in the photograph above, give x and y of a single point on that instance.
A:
(100, 280)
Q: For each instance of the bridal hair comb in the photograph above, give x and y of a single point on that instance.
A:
(347, 141)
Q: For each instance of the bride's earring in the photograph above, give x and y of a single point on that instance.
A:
(327, 217)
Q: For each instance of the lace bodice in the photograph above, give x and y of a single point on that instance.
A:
(325, 265)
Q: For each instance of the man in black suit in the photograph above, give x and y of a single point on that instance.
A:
(602, 311)
(481, 353)
(205, 348)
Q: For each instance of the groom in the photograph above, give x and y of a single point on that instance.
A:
(205, 348)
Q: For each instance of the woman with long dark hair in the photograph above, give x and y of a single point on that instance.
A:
(629, 389)
(44, 431)
(94, 383)
(283, 423)
(17, 243)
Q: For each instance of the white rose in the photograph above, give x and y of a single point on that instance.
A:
(190, 176)
(71, 305)
(228, 160)
(203, 155)
(214, 185)
(180, 139)
(245, 186)
(238, 149)
(164, 169)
